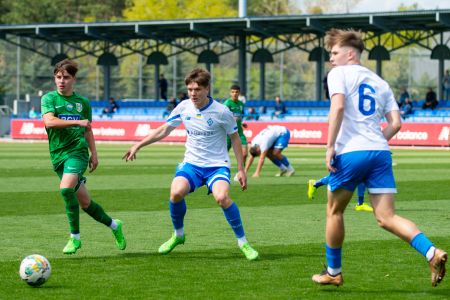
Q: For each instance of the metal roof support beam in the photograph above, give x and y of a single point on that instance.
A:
(443, 18)
(242, 75)
(199, 30)
(379, 23)
(315, 24)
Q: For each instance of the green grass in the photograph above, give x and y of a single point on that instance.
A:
(286, 228)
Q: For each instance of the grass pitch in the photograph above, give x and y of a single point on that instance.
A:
(286, 229)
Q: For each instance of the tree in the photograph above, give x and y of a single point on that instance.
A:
(177, 9)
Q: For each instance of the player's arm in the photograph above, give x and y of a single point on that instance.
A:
(237, 148)
(335, 118)
(154, 136)
(261, 160)
(93, 160)
(249, 163)
(51, 121)
(394, 124)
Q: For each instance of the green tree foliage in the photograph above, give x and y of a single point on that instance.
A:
(49, 11)
(177, 9)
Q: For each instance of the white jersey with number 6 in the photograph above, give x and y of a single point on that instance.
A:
(367, 100)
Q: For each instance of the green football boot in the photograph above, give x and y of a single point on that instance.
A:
(121, 243)
(249, 252)
(168, 246)
(72, 246)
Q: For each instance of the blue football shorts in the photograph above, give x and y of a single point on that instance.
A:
(282, 141)
(373, 168)
(199, 176)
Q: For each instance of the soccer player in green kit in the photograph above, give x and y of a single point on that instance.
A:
(236, 106)
(67, 117)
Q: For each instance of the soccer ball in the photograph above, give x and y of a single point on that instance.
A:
(35, 270)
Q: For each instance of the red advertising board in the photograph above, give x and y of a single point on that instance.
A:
(412, 134)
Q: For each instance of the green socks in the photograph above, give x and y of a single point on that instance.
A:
(72, 209)
(97, 213)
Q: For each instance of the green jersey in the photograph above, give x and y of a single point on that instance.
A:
(237, 108)
(70, 140)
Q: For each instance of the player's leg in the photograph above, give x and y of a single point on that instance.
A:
(384, 209)
(313, 185)
(184, 182)
(95, 211)
(219, 185)
(280, 144)
(381, 186)
(341, 185)
(277, 162)
(335, 233)
(244, 148)
(67, 190)
(361, 205)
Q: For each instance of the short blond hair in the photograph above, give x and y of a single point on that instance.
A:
(344, 38)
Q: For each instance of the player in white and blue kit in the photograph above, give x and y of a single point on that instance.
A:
(270, 142)
(206, 160)
(358, 151)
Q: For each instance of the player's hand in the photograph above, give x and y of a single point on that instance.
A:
(331, 153)
(85, 123)
(131, 153)
(93, 162)
(242, 178)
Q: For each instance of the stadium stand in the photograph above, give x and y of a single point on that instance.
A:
(297, 110)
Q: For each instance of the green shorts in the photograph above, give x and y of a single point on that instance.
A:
(74, 165)
(243, 141)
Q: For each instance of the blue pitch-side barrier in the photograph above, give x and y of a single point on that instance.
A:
(299, 110)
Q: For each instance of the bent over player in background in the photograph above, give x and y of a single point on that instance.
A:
(206, 160)
(67, 118)
(358, 151)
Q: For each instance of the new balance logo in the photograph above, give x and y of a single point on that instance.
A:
(142, 130)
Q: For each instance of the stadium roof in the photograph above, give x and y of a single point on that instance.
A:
(223, 35)
(167, 30)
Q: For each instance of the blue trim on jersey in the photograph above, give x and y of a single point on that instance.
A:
(207, 105)
(173, 118)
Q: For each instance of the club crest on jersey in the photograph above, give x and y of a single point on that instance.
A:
(69, 107)
(79, 107)
(210, 122)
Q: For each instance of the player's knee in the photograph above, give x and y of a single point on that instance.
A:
(383, 221)
(177, 195)
(67, 192)
(223, 200)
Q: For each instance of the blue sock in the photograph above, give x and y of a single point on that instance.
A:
(334, 257)
(285, 161)
(321, 181)
(361, 190)
(177, 212)
(421, 243)
(277, 162)
(234, 219)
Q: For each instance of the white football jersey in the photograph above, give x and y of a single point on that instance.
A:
(368, 98)
(267, 137)
(207, 131)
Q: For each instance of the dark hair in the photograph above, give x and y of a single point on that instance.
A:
(344, 38)
(67, 65)
(235, 87)
(199, 76)
(254, 150)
